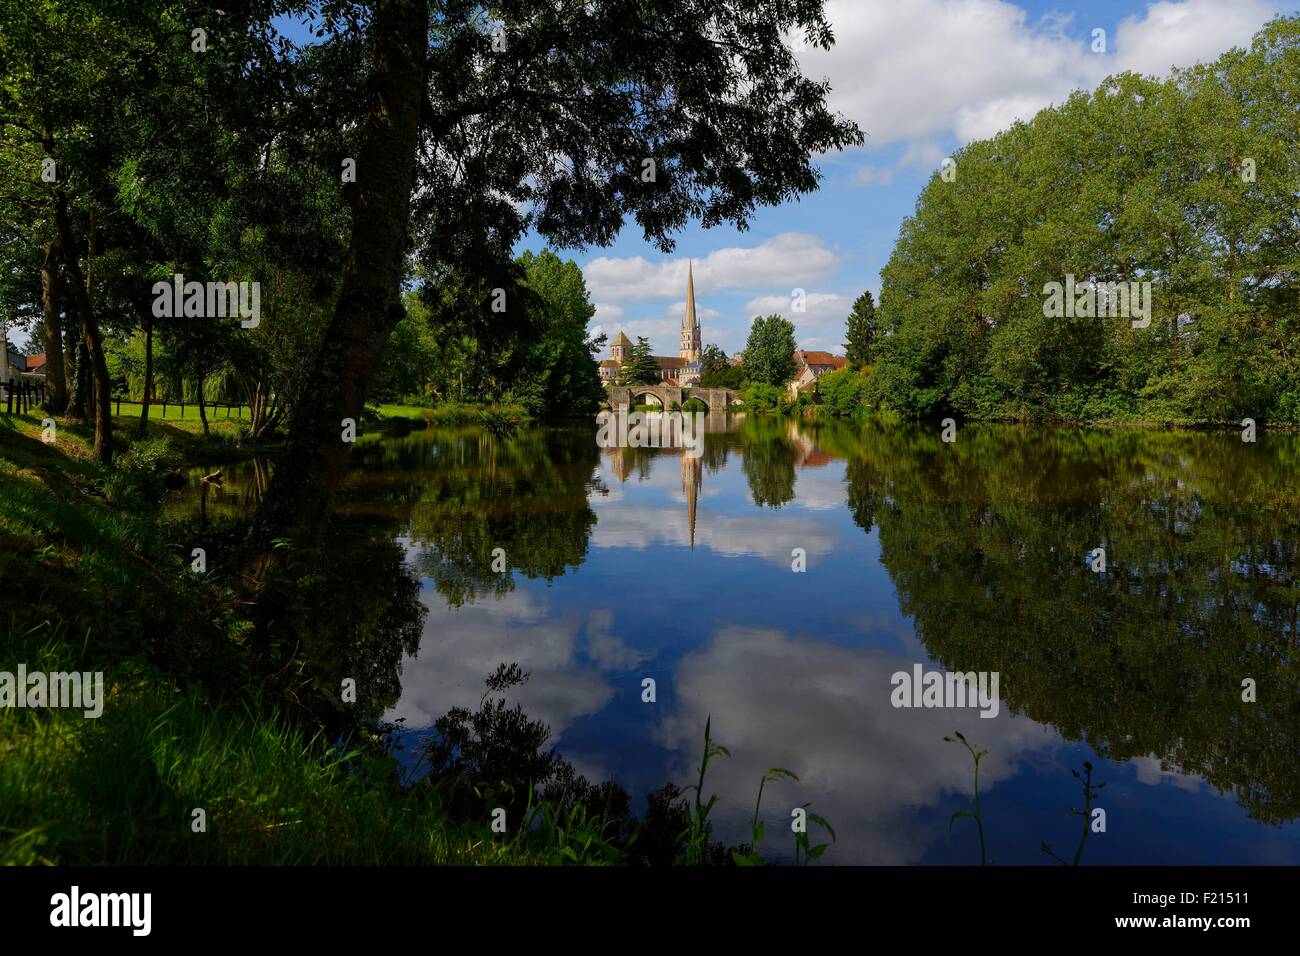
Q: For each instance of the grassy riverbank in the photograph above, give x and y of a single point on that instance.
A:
(450, 414)
(125, 788)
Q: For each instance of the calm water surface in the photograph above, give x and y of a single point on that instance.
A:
(972, 556)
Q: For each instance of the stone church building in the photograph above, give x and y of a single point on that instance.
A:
(684, 368)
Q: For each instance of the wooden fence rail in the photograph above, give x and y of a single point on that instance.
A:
(22, 396)
(162, 404)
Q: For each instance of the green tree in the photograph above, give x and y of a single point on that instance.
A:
(861, 331)
(113, 125)
(762, 398)
(713, 360)
(769, 351)
(560, 287)
(1203, 215)
(640, 367)
(841, 393)
(561, 370)
(408, 366)
(536, 353)
(733, 376)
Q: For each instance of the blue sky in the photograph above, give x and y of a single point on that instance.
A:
(921, 77)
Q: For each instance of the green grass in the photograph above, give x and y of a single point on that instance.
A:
(1090, 794)
(499, 419)
(176, 413)
(77, 439)
(413, 412)
(123, 788)
(83, 548)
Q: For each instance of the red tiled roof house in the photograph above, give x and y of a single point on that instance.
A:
(810, 366)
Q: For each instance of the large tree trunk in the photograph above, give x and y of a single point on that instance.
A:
(369, 303)
(103, 410)
(56, 379)
(148, 374)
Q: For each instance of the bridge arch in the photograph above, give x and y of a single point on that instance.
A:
(639, 394)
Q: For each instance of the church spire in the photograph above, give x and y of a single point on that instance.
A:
(688, 320)
(690, 343)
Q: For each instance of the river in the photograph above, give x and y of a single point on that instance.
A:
(776, 579)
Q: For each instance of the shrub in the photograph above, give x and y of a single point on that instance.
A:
(842, 393)
(138, 475)
(760, 397)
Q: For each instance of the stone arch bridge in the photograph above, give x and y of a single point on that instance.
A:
(717, 399)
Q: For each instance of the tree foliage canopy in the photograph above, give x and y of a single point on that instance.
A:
(861, 331)
(1188, 184)
(640, 367)
(769, 351)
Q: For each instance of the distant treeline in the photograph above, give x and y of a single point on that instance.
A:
(1189, 184)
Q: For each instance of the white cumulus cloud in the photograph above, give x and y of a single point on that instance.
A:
(909, 71)
(819, 308)
(607, 312)
(790, 257)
